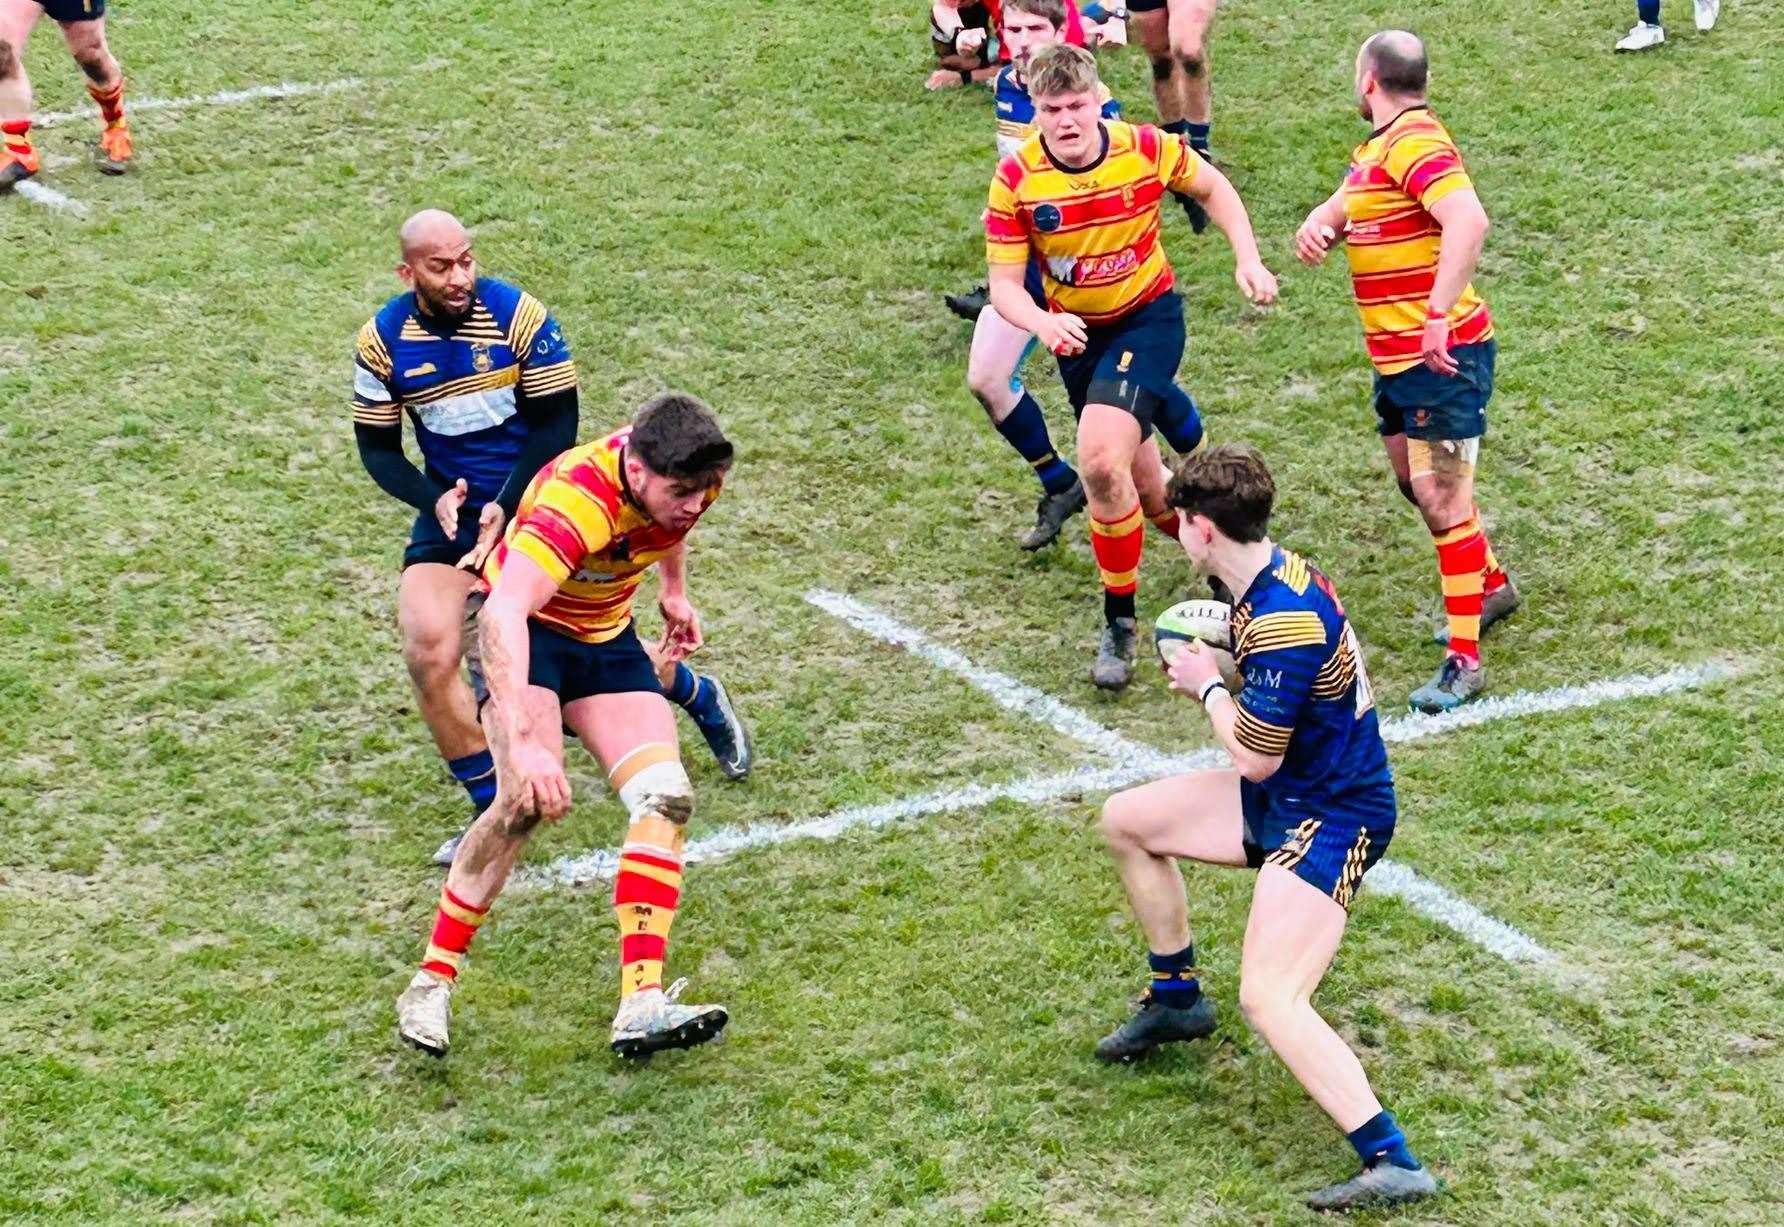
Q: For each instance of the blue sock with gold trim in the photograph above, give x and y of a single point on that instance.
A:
(477, 772)
(1025, 429)
(1174, 982)
(1380, 1138)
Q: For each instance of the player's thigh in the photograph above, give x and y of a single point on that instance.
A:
(995, 359)
(1151, 26)
(430, 606)
(1290, 937)
(1189, 22)
(17, 19)
(614, 725)
(1198, 816)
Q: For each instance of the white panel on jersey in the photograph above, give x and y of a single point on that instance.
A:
(467, 414)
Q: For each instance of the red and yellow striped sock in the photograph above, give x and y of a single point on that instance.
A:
(646, 893)
(1462, 563)
(455, 925)
(1493, 576)
(1117, 545)
(18, 141)
(111, 102)
(1167, 522)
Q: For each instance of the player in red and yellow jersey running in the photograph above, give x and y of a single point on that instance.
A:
(1083, 195)
(1413, 228)
(83, 27)
(559, 652)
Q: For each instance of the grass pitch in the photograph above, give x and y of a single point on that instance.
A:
(218, 796)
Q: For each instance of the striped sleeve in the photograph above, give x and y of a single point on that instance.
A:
(373, 402)
(1006, 233)
(1178, 164)
(545, 362)
(563, 525)
(1426, 164)
(1281, 655)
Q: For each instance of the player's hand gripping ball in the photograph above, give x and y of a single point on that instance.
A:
(1206, 622)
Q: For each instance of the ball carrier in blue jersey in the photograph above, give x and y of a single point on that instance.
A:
(999, 348)
(489, 385)
(1308, 802)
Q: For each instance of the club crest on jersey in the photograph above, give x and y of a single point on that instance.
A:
(1421, 417)
(1127, 195)
(1047, 218)
(480, 359)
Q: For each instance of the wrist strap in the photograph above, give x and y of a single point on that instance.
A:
(1212, 685)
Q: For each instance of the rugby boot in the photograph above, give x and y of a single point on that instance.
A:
(16, 167)
(1154, 1024)
(1380, 1184)
(1707, 11)
(1457, 681)
(1494, 606)
(445, 852)
(653, 1020)
(1114, 667)
(113, 153)
(423, 1011)
(1642, 35)
(1050, 515)
(727, 737)
(968, 305)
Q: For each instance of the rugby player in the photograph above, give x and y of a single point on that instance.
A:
(1308, 802)
(1082, 197)
(999, 348)
(490, 386)
(964, 35)
(1413, 228)
(83, 29)
(559, 651)
(1174, 36)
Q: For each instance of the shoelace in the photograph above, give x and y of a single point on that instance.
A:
(673, 992)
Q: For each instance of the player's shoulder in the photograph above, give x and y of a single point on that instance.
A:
(500, 298)
(387, 320)
(1285, 608)
(1015, 168)
(1007, 86)
(1418, 126)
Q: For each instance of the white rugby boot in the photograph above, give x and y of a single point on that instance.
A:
(1641, 37)
(1707, 11)
(423, 1011)
(653, 1020)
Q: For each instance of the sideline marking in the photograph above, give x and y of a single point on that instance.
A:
(49, 197)
(223, 98)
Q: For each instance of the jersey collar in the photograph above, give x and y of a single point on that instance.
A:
(1417, 106)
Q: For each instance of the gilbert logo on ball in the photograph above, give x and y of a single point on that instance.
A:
(1209, 622)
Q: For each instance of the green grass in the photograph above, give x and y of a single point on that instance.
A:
(217, 792)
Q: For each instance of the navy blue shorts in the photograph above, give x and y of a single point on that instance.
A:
(574, 670)
(73, 10)
(1425, 405)
(1130, 363)
(1145, 6)
(1031, 281)
(428, 544)
(1329, 845)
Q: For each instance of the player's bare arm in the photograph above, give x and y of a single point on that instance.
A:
(1464, 224)
(681, 623)
(1195, 672)
(1060, 331)
(1324, 226)
(526, 771)
(1217, 196)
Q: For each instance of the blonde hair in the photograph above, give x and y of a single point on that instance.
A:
(1059, 68)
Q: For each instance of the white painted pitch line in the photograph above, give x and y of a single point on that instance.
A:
(1005, 690)
(224, 98)
(1143, 763)
(49, 197)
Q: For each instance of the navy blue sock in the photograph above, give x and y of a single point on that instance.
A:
(477, 772)
(695, 697)
(1026, 431)
(1174, 980)
(1179, 421)
(1198, 135)
(1379, 1138)
(1648, 11)
(1177, 127)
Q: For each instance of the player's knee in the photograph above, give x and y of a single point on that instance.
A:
(1194, 58)
(984, 384)
(9, 61)
(1406, 490)
(430, 654)
(1103, 472)
(660, 790)
(1264, 1003)
(1117, 822)
(1162, 67)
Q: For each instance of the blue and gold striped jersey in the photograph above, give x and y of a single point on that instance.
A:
(1307, 694)
(459, 380)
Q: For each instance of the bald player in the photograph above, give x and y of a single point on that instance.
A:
(83, 29)
(1413, 228)
(489, 385)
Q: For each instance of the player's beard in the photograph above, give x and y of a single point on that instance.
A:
(436, 305)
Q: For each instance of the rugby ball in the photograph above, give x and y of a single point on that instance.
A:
(1207, 622)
